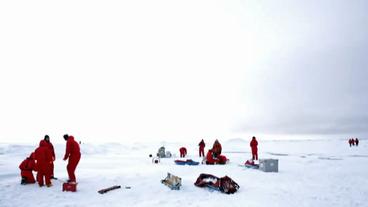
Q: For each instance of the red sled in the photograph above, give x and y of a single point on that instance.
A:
(72, 187)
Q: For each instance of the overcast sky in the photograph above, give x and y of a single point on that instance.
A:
(174, 70)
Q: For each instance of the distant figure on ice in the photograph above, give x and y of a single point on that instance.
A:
(43, 162)
(72, 153)
(201, 148)
(216, 148)
(356, 141)
(254, 147)
(26, 168)
(183, 151)
(51, 148)
(350, 142)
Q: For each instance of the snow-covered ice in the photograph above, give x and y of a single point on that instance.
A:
(325, 172)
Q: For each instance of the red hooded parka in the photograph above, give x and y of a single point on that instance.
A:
(253, 145)
(72, 153)
(26, 168)
(43, 160)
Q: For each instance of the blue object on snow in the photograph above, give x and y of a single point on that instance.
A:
(186, 162)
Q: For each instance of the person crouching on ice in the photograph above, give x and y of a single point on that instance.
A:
(72, 153)
(44, 161)
(210, 158)
(26, 168)
(183, 151)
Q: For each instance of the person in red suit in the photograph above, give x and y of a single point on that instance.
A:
(43, 161)
(72, 153)
(254, 147)
(222, 159)
(216, 148)
(51, 148)
(201, 148)
(210, 159)
(183, 151)
(26, 168)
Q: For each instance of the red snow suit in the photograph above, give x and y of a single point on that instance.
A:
(43, 160)
(26, 168)
(201, 148)
(211, 160)
(73, 153)
(222, 159)
(216, 149)
(51, 148)
(253, 145)
(183, 151)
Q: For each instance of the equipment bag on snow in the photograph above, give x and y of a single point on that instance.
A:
(172, 181)
(161, 152)
(72, 186)
(224, 184)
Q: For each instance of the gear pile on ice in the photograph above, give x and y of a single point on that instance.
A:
(224, 184)
(172, 181)
(162, 154)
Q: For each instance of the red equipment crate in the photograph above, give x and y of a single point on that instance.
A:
(72, 187)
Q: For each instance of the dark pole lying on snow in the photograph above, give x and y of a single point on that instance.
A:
(102, 191)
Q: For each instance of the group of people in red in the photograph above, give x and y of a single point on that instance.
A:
(354, 142)
(42, 161)
(214, 155)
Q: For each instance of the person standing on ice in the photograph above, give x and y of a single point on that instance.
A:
(26, 168)
(254, 147)
(51, 148)
(43, 162)
(72, 153)
(356, 141)
(201, 148)
(350, 142)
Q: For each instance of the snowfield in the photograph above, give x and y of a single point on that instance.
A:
(311, 173)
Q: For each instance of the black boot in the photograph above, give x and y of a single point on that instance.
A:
(23, 181)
